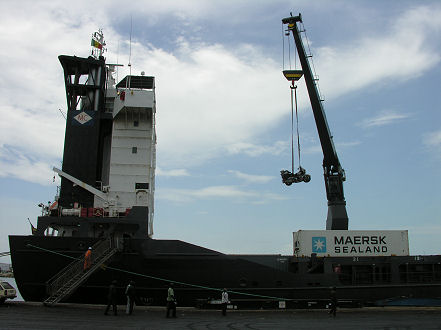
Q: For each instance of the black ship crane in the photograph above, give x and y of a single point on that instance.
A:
(334, 174)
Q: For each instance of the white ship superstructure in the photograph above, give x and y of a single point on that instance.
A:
(129, 156)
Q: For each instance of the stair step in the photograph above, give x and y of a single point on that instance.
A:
(75, 276)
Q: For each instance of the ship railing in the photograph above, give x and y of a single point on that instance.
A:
(421, 277)
(74, 269)
(386, 277)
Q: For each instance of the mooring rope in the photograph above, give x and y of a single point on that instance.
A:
(167, 280)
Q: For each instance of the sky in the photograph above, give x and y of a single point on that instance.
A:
(224, 113)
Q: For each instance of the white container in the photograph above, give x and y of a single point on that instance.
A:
(349, 243)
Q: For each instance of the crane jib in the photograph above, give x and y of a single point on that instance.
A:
(334, 174)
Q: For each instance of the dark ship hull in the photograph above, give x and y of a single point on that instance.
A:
(257, 281)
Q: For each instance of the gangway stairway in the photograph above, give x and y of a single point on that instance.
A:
(64, 283)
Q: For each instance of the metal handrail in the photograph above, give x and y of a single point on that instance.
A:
(68, 269)
(69, 273)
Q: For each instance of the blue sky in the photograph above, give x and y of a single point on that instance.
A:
(223, 113)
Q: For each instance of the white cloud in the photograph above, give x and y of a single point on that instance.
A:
(432, 139)
(407, 49)
(171, 173)
(312, 149)
(13, 164)
(349, 144)
(250, 178)
(317, 148)
(212, 99)
(384, 118)
(214, 192)
(221, 191)
(254, 150)
(204, 110)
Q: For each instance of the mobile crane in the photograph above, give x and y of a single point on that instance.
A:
(334, 174)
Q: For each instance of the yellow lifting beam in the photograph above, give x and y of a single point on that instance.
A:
(293, 75)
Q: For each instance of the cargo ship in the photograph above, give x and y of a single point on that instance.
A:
(106, 203)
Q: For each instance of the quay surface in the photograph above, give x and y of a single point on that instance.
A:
(24, 315)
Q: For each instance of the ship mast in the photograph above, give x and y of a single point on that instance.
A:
(98, 44)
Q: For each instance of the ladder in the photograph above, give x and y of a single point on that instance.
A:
(64, 283)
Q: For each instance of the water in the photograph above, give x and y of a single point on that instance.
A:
(11, 281)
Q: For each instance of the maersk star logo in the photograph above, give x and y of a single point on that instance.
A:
(82, 118)
(318, 244)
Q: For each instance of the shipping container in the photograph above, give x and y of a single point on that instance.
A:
(348, 243)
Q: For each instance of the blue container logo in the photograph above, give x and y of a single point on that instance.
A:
(319, 244)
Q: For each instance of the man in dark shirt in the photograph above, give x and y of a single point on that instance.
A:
(131, 294)
(111, 298)
(333, 310)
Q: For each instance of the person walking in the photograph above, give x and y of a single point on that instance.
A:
(131, 294)
(87, 259)
(333, 310)
(224, 301)
(171, 301)
(111, 298)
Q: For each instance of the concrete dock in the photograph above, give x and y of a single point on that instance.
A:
(23, 315)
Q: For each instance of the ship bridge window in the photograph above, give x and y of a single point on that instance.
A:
(136, 123)
(142, 185)
(134, 150)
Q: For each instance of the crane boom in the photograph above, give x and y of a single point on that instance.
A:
(334, 174)
(83, 185)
